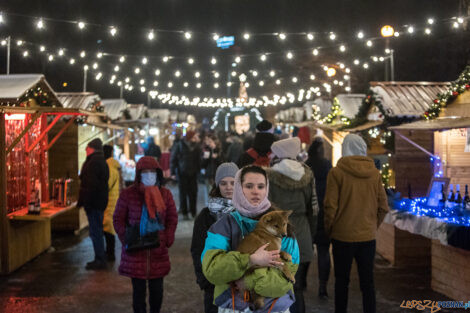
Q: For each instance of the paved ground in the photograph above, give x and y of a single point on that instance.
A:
(57, 282)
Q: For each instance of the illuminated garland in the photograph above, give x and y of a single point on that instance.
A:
(386, 173)
(457, 87)
(335, 112)
(41, 97)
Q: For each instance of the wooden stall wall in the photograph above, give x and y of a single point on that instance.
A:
(411, 165)
(450, 146)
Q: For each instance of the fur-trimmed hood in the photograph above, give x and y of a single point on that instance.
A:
(286, 181)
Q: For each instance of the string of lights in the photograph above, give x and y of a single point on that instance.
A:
(42, 23)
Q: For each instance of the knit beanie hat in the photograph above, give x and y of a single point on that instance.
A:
(190, 134)
(147, 163)
(96, 144)
(228, 169)
(286, 148)
(265, 127)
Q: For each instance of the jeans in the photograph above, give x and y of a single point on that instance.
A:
(299, 287)
(209, 306)
(139, 290)
(343, 255)
(324, 262)
(95, 222)
(187, 186)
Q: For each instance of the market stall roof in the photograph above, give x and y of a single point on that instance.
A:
(114, 107)
(350, 103)
(136, 110)
(13, 86)
(78, 100)
(367, 125)
(407, 98)
(440, 123)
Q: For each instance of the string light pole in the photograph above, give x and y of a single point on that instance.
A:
(8, 44)
(387, 31)
(85, 71)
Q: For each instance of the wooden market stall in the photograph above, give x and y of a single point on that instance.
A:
(416, 233)
(70, 150)
(29, 109)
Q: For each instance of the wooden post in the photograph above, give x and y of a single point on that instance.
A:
(44, 166)
(4, 264)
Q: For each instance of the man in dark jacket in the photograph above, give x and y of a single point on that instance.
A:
(260, 151)
(320, 167)
(186, 164)
(93, 196)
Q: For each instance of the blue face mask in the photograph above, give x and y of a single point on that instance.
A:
(149, 179)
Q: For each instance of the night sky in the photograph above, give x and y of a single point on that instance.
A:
(440, 56)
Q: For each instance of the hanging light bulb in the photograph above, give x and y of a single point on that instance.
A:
(261, 83)
(315, 52)
(187, 35)
(254, 73)
(186, 84)
(216, 85)
(61, 52)
(113, 31)
(137, 70)
(455, 25)
(72, 61)
(246, 36)
(427, 31)
(81, 25)
(170, 84)
(238, 59)
(365, 65)
(294, 80)
(144, 60)
(282, 36)
(157, 72)
(40, 24)
(82, 54)
(98, 76)
(310, 36)
(142, 89)
(155, 83)
(25, 53)
(229, 84)
(19, 43)
(430, 21)
(198, 85)
(396, 34)
(177, 74)
(116, 68)
(42, 48)
(342, 48)
(272, 73)
(289, 55)
(369, 43)
(197, 74)
(51, 58)
(215, 37)
(312, 77)
(332, 36)
(122, 59)
(460, 20)
(411, 29)
(95, 66)
(263, 57)
(360, 35)
(165, 59)
(234, 73)
(142, 81)
(151, 35)
(213, 61)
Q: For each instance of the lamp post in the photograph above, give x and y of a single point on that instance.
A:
(387, 31)
(85, 71)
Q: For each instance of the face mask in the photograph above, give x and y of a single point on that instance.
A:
(149, 179)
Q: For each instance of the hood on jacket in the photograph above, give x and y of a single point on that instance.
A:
(113, 163)
(262, 142)
(358, 166)
(148, 163)
(284, 174)
(354, 145)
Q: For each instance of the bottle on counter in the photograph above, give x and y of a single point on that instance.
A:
(458, 196)
(443, 198)
(466, 199)
(451, 194)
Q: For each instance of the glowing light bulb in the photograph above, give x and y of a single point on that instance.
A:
(272, 73)
(246, 36)
(137, 70)
(411, 29)
(263, 57)
(315, 52)
(198, 85)
(197, 74)
(261, 83)
(72, 61)
(95, 66)
(310, 36)
(155, 83)
(177, 74)
(144, 60)
(19, 42)
(122, 59)
(332, 36)
(396, 34)
(282, 36)
(312, 77)
(369, 43)
(157, 72)
(216, 85)
(82, 54)
(99, 55)
(360, 35)
(165, 59)
(254, 73)
(170, 84)
(238, 59)
(289, 55)
(51, 58)
(113, 31)
(42, 48)
(365, 65)
(213, 61)
(342, 48)
(234, 73)
(427, 31)
(40, 24)
(25, 54)
(187, 35)
(215, 37)
(151, 35)
(81, 25)
(294, 80)
(186, 84)
(430, 21)
(61, 52)
(116, 68)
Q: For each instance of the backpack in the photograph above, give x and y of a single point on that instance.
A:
(263, 160)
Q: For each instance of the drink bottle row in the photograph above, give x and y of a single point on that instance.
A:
(456, 197)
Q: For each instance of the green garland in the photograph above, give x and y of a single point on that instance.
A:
(361, 115)
(41, 97)
(457, 87)
(386, 173)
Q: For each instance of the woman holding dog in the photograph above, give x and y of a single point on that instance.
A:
(228, 269)
(220, 203)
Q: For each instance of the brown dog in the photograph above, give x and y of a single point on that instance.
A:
(270, 229)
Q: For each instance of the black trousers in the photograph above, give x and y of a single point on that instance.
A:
(139, 291)
(343, 255)
(209, 306)
(299, 287)
(187, 186)
(324, 262)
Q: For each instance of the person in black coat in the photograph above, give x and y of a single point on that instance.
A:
(261, 147)
(93, 196)
(220, 203)
(185, 164)
(320, 167)
(151, 149)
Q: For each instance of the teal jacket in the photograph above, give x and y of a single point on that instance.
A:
(222, 265)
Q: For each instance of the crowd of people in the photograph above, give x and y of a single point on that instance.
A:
(249, 179)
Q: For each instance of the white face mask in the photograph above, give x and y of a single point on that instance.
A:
(149, 179)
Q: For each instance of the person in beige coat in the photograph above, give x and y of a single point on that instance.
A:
(115, 185)
(355, 205)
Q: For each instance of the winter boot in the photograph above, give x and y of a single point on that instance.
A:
(110, 245)
(322, 292)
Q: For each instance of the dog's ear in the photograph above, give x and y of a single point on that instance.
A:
(287, 213)
(268, 218)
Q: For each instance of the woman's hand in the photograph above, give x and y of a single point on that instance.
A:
(265, 258)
